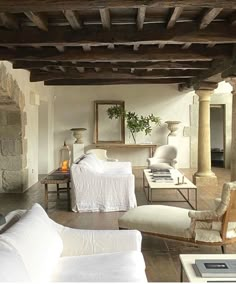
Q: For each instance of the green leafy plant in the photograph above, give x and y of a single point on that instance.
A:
(135, 123)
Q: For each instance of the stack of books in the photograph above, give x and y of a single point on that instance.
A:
(162, 175)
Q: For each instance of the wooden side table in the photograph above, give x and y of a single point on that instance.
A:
(57, 177)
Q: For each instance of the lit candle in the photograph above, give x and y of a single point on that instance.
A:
(64, 166)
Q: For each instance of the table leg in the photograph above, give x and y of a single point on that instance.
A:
(68, 196)
(46, 196)
(181, 272)
(58, 194)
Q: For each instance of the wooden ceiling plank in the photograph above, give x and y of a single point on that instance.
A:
(9, 21)
(73, 19)
(144, 54)
(141, 17)
(36, 76)
(107, 65)
(60, 48)
(62, 69)
(113, 82)
(86, 47)
(38, 19)
(121, 35)
(186, 45)
(209, 16)
(174, 17)
(232, 18)
(105, 18)
(58, 5)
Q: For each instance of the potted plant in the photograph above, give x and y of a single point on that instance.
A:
(135, 123)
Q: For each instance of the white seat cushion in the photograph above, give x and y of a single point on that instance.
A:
(160, 166)
(36, 241)
(159, 219)
(12, 268)
(109, 267)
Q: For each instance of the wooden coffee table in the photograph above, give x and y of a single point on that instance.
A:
(176, 175)
(57, 177)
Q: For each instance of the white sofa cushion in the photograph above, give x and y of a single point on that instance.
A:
(12, 266)
(108, 267)
(37, 242)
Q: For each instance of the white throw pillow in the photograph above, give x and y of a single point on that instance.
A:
(37, 242)
(91, 163)
(12, 266)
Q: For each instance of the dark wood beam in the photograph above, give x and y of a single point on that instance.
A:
(107, 65)
(186, 45)
(36, 76)
(120, 35)
(105, 18)
(67, 82)
(119, 54)
(38, 19)
(175, 14)
(206, 85)
(230, 72)
(209, 16)
(60, 48)
(73, 19)
(58, 5)
(232, 18)
(9, 21)
(141, 17)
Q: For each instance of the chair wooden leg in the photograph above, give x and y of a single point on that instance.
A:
(223, 249)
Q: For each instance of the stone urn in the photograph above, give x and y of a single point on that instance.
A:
(172, 125)
(78, 134)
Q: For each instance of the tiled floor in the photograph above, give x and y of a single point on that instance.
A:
(161, 256)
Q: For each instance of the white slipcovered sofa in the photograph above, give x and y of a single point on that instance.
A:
(33, 248)
(98, 185)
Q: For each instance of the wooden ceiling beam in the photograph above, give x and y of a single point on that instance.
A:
(36, 76)
(209, 16)
(38, 19)
(119, 54)
(141, 17)
(58, 5)
(175, 14)
(121, 35)
(9, 21)
(73, 19)
(105, 18)
(107, 65)
(67, 82)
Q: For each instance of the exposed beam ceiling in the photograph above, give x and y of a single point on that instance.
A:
(175, 14)
(52, 5)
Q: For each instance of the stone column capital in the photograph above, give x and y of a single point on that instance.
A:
(232, 82)
(204, 95)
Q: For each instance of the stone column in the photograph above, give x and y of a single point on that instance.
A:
(232, 82)
(204, 175)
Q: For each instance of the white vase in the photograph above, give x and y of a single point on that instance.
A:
(78, 134)
(173, 126)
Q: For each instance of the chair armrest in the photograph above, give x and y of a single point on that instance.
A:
(86, 242)
(173, 163)
(203, 215)
(151, 161)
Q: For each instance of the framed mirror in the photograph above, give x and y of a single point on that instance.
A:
(108, 130)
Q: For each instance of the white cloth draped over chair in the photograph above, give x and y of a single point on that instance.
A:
(164, 158)
(98, 185)
(211, 227)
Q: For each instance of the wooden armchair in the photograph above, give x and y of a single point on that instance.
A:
(215, 227)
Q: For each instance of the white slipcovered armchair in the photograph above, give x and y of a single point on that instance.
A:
(164, 158)
(209, 227)
(33, 248)
(101, 154)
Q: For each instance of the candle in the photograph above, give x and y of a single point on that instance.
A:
(64, 166)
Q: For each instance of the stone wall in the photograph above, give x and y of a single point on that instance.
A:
(13, 146)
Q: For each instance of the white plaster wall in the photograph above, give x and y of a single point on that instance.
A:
(74, 107)
(32, 93)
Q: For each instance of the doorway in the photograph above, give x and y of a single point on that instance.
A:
(217, 123)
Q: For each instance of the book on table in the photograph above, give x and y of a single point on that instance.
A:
(217, 268)
(160, 171)
(163, 179)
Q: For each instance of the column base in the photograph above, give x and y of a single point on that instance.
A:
(199, 179)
